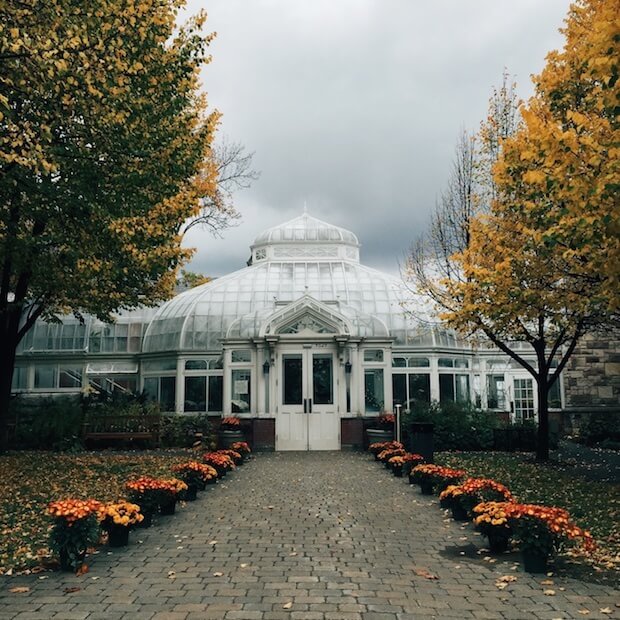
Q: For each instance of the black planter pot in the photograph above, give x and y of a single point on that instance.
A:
(118, 535)
(192, 492)
(459, 513)
(148, 519)
(499, 540)
(397, 470)
(168, 508)
(534, 562)
(426, 487)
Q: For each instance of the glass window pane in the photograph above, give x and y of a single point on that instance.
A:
(446, 387)
(322, 380)
(167, 393)
(419, 362)
(462, 388)
(151, 388)
(399, 388)
(373, 389)
(70, 377)
(446, 362)
(195, 394)
(195, 365)
(373, 355)
(240, 391)
(496, 395)
(292, 380)
(20, 378)
(45, 377)
(399, 362)
(216, 393)
(555, 399)
(242, 355)
(419, 389)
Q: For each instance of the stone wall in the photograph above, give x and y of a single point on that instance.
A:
(592, 375)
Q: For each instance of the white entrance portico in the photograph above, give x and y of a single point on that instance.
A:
(306, 339)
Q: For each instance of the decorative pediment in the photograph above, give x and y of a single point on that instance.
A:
(307, 325)
(306, 317)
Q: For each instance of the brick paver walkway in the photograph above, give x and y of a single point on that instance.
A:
(301, 537)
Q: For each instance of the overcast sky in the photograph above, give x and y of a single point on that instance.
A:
(354, 107)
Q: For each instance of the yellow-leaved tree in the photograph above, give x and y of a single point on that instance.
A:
(105, 152)
(542, 267)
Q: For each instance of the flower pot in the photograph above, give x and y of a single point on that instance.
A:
(210, 482)
(168, 508)
(426, 487)
(147, 521)
(376, 435)
(221, 471)
(192, 492)
(68, 563)
(411, 479)
(118, 535)
(225, 438)
(499, 540)
(459, 513)
(534, 561)
(397, 470)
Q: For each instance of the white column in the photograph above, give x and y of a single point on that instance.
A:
(261, 379)
(434, 379)
(180, 386)
(226, 387)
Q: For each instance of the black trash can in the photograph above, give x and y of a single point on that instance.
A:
(422, 440)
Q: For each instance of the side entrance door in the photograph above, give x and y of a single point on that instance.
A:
(307, 416)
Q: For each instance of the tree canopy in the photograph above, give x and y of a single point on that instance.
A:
(105, 152)
(542, 266)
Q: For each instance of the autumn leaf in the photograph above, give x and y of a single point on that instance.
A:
(72, 589)
(287, 605)
(549, 592)
(19, 589)
(82, 570)
(423, 572)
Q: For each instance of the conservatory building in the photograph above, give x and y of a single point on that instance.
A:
(305, 342)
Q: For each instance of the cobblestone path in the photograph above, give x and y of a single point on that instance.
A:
(304, 536)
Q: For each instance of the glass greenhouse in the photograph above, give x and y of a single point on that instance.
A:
(304, 337)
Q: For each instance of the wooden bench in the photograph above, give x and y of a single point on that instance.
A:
(122, 428)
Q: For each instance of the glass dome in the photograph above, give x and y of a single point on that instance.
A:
(236, 305)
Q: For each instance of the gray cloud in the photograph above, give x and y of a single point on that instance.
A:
(354, 106)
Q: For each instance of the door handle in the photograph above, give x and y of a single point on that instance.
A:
(305, 405)
(309, 405)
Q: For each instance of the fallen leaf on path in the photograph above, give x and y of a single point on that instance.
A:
(217, 574)
(423, 572)
(287, 605)
(19, 589)
(549, 592)
(82, 570)
(584, 612)
(606, 610)
(72, 589)
(243, 565)
(547, 582)
(504, 580)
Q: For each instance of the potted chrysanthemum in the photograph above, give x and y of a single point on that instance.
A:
(75, 528)
(117, 518)
(171, 489)
(491, 519)
(461, 498)
(195, 475)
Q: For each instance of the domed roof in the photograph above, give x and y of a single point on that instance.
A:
(306, 228)
(303, 258)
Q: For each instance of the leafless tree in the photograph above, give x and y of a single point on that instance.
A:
(234, 172)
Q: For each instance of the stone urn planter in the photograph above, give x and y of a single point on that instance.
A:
(376, 435)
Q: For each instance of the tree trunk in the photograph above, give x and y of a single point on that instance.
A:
(8, 348)
(542, 445)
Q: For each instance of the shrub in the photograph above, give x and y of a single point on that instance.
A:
(44, 423)
(457, 426)
(601, 428)
(183, 431)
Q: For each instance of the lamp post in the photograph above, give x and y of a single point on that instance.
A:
(398, 422)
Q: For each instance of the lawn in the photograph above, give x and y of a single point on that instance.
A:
(32, 479)
(594, 505)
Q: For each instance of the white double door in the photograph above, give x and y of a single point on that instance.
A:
(307, 414)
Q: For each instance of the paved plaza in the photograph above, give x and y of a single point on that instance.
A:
(305, 536)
